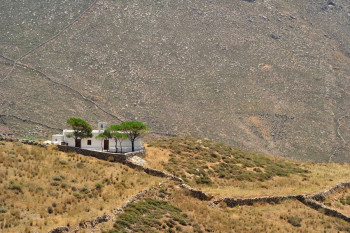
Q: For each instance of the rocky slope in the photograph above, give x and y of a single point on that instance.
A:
(267, 76)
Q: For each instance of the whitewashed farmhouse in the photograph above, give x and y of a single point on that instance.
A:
(96, 144)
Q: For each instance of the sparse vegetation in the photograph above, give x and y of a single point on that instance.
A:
(40, 191)
(150, 216)
(238, 173)
(204, 160)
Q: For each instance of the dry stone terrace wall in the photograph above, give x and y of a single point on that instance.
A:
(305, 199)
(112, 157)
(229, 201)
(105, 218)
(322, 196)
(232, 202)
(24, 141)
(197, 193)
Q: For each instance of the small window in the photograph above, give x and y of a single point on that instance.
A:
(89, 142)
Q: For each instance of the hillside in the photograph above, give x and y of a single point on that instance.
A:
(267, 76)
(225, 171)
(45, 188)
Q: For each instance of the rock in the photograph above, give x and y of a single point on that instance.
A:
(59, 230)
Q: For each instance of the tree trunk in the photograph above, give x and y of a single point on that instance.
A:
(121, 148)
(116, 146)
(132, 145)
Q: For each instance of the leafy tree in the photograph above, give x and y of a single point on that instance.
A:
(104, 136)
(133, 129)
(117, 136)
(81, 128)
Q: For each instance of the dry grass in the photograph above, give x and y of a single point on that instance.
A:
(340, 201)
(156, 157)
(43, 188)
(288, 216)
(320, 176)
(258, 218)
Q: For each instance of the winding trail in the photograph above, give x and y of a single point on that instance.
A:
(48, 40)
(26, 120)
(46, 77)
(339, 135)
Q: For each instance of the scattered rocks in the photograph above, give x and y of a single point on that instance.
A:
(322, 196)
(273, 36)
(59, 230)
(137, 160)
(197, 193)
(305, 199)
(103, 218)
(232, 202)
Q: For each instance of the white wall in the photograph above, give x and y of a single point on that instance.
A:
(96, 143)
(57, 139)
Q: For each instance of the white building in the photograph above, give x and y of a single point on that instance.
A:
(94, 143)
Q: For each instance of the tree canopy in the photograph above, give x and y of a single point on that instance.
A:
(81, 128)
(133, 129)
(118, 136)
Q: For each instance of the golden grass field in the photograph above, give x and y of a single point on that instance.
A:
(44, 188)
(319, 176)
(288, 216)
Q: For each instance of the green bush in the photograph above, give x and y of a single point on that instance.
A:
(58, 177)
(77, 195)
(54, 183)
(17, 187)
(295, 221)
(98, 186)
(144, 216)
(85, 189)
(204, 180)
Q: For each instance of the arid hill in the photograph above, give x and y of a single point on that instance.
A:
(268, 76)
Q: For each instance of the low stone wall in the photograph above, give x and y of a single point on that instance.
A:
(232, 202)
(112, 157)
(139, 153)
(152, 172)
(322, 196)
(197, 193)
(105, 218)
(24, 141)
(320, 207)
(59, 230)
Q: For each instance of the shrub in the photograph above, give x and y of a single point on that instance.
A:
(17, 187)
(85, 189)
(98, 186)
(204, 180)
(77, 195)
(347, 200)
(2, 210)
(58, 177)
(295, 221)
(54, 183)
(80, 165)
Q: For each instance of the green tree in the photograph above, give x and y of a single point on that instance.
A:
(117, 136)
(104, 136)
(81, 129)
(133, 129)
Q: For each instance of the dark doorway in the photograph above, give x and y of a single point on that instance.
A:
(78, 143)
(106, 144)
